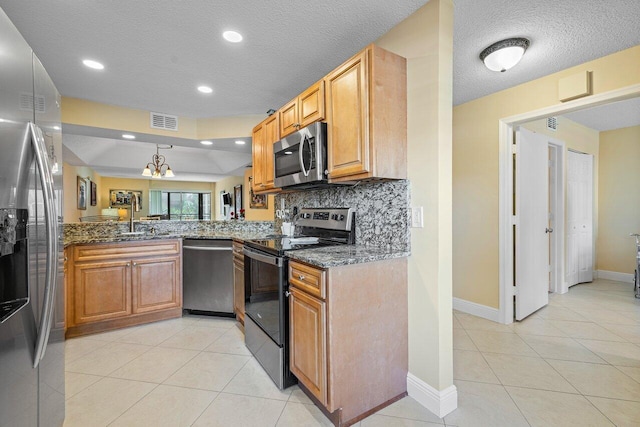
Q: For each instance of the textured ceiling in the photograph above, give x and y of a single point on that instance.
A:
(616, 115)
(563, 33)
(156, 52)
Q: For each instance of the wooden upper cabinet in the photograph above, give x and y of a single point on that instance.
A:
(367, 117)
(306, 108)
(264, 136)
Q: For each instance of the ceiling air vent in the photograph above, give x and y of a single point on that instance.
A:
(164, 121)
(552, 123)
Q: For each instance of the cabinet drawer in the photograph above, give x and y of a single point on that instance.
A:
(109, 251)
(309, 279)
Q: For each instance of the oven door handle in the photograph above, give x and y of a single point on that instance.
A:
(267, 259)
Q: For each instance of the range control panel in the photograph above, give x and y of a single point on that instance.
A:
(328, 218)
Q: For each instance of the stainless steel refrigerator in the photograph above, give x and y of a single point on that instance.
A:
(31, 257)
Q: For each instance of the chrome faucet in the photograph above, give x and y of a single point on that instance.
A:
(134, 208)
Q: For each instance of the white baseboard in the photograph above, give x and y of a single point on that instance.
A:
(440, 403)
(614, 275)
(476, 309)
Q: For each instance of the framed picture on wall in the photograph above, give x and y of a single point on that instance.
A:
(94, 194)
(122, 198)
(83, 192)
(237, 200)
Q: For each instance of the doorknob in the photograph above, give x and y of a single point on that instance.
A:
(548, 230)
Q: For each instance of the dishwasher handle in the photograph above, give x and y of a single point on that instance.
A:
(207, 248)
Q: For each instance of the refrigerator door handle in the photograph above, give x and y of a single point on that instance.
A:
(46, 178)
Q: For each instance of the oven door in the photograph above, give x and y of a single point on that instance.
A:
(265, 286)
(300, 157)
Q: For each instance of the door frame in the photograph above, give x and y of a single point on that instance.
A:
(506, 220)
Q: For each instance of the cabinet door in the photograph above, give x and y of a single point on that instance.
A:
(238, 289)
(289, 118)
(311, 104)
(271, 135)
(102, 291)
(257, 155)
(348, 118)
(156, 284)
(308, 355)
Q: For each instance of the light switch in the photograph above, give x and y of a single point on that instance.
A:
(416, 217)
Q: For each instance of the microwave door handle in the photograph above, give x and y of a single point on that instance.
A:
(46, 179)
(300, 155)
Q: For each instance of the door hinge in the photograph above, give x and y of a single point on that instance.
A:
(549, 268)
(514, 149)
(514, 220)
(515, 290)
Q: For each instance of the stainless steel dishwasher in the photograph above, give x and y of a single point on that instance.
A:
(207, 276)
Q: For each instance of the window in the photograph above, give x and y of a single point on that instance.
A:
(180, 205)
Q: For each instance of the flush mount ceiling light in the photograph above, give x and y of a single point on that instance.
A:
(232, 36)
(205, 89)
(240, 142)
(206, 142)
(128, 136)
(504, 54)
(160, 168)
(93, 64)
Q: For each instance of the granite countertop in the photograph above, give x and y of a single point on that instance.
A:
(335, 256)
(235, 235)
(323, 257)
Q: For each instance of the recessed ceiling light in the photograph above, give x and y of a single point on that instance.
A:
(232, 36)
(93, 64)
(206, 142)
(240, 142)
(128, 136)
(205, 89)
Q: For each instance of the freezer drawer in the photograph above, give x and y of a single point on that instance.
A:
(208, 275)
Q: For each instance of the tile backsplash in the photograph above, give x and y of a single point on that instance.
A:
(382, 209)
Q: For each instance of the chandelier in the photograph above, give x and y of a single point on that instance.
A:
(158, 165)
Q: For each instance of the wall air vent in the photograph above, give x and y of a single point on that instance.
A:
(164, 121)
(552, 123)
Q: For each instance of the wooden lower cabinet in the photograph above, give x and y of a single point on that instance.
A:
(155, 284)
(102, 291)
(348, 336)
(308, 342)
(114, 285)
(238, 281)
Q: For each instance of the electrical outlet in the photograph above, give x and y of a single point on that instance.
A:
(416, 217)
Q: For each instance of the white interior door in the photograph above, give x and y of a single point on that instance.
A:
(579, 218)
(532, 213)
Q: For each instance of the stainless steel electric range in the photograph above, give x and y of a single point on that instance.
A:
(266, 284)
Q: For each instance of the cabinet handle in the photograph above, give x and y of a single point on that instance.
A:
(66, 259)
(262, 185)
(300, 277)
(128, 264)
(135, 263)
(287, 294)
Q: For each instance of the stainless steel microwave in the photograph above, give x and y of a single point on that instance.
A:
(300, 159)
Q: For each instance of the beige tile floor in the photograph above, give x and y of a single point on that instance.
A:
(575, 362)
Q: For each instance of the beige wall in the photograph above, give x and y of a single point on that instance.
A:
(256, 214)
(70, 197)
(88, 113)
(619, 195)
(476, 170)
(425, 39)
